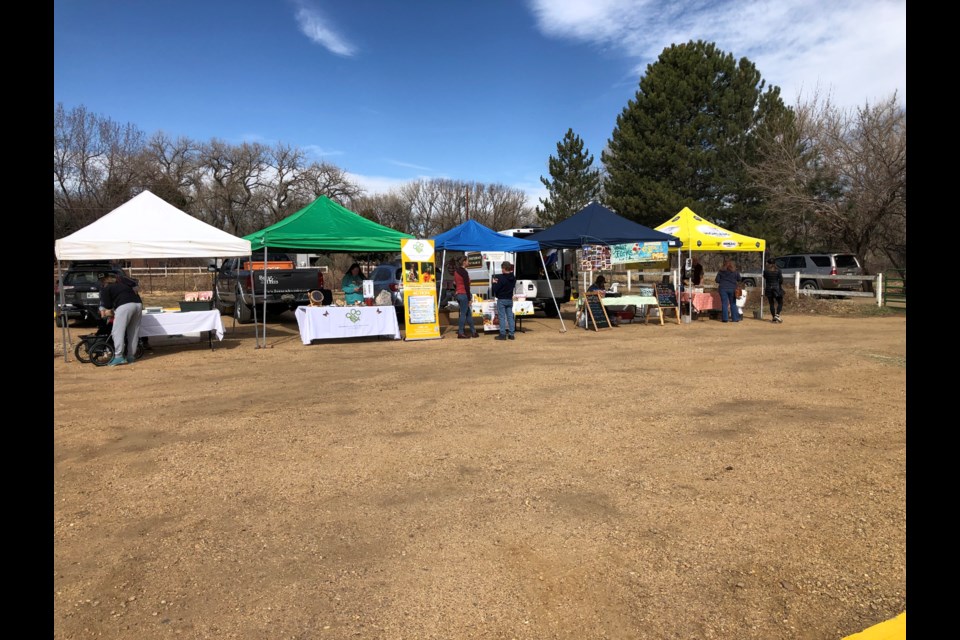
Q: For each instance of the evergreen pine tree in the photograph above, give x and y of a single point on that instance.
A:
(686, 136)
(574, 182)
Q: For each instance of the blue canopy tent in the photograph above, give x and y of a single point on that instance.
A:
(473, 236)
(595, 224)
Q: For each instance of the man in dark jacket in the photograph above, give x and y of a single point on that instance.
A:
(503, 287)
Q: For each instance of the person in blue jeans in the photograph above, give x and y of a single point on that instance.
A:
(461, 279)
(727, 279)
(503, 286)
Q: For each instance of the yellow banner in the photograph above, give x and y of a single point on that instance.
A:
(419, 289)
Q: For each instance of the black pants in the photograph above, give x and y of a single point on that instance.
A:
(776, 302)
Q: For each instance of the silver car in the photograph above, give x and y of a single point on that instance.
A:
(816, 268)
(389, 277)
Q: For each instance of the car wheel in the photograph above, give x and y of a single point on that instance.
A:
(748, 282)
(242, 313)
(809, 285)
(219, 306)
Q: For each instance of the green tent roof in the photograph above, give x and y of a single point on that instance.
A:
(325, 225)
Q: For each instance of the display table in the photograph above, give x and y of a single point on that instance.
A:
(487, 311)
(710, 301)
(616, 304)
(327, 323)
(707, 301)
(178, 323)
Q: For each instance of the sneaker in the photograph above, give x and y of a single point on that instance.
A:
(116, 361)
(501, 337)
(131, 360)
(462, 336)
(779, 319)
(510, 337)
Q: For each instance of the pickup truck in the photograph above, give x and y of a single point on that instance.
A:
(237, 287)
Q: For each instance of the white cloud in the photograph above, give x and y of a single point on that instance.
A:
(853, 49)
(408, 165)
(315, 26)
(377, 185)
(316, 151)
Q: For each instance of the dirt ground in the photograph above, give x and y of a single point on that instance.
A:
(684, 482)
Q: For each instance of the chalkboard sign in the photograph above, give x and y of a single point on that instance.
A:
(666, 296)
(596, 313)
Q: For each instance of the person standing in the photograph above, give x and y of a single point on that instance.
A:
(727, 280)
(352, 285)
(504, 285)
(696, 269)
(461, 279)
(119, 299)
(773, 286)
(697, 272)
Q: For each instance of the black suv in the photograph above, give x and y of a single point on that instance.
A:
(81, 291)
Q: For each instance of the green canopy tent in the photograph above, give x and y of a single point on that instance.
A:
(324, 225)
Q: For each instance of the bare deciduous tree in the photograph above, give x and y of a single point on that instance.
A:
(95, 167)
(836, 179)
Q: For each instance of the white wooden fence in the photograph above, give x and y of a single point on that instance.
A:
(629, 279)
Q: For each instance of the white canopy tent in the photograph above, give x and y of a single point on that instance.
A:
(146, 226)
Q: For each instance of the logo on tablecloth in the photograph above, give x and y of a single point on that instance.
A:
(354, 315)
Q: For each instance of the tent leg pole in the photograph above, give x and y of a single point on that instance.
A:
(563, 328)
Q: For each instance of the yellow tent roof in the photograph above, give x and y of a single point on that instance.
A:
(702, 235)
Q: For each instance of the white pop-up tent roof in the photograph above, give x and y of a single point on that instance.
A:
(149, 227)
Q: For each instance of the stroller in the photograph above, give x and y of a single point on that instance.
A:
(98, 347)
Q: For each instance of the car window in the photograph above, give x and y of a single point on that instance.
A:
(396, 276)
(821, 261)
(781, 263)
(795, 262)
(80, 277)
(380, 274)
(845, 260)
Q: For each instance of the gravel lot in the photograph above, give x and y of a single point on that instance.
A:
(685, 482)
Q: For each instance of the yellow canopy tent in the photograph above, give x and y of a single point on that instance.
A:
(699, 234)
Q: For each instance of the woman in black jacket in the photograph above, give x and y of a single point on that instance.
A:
(773, 287)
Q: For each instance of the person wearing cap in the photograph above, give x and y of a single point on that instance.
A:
(773, 287)
(503, 287)
(119, 299)
(352, 285)
(599, 285)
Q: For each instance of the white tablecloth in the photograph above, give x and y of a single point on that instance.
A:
(176, 323)
(324, 323)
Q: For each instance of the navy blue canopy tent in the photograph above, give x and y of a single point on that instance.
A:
(595, 224)
(473, 236)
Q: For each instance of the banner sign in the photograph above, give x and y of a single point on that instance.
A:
(419, 289)
(638, 252)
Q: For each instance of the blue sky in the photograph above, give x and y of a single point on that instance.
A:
(482, 90)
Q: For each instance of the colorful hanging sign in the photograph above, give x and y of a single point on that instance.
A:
(638, 252)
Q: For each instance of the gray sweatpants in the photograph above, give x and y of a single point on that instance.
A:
(126, 329)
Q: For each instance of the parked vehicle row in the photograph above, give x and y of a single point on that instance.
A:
(81, 291)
